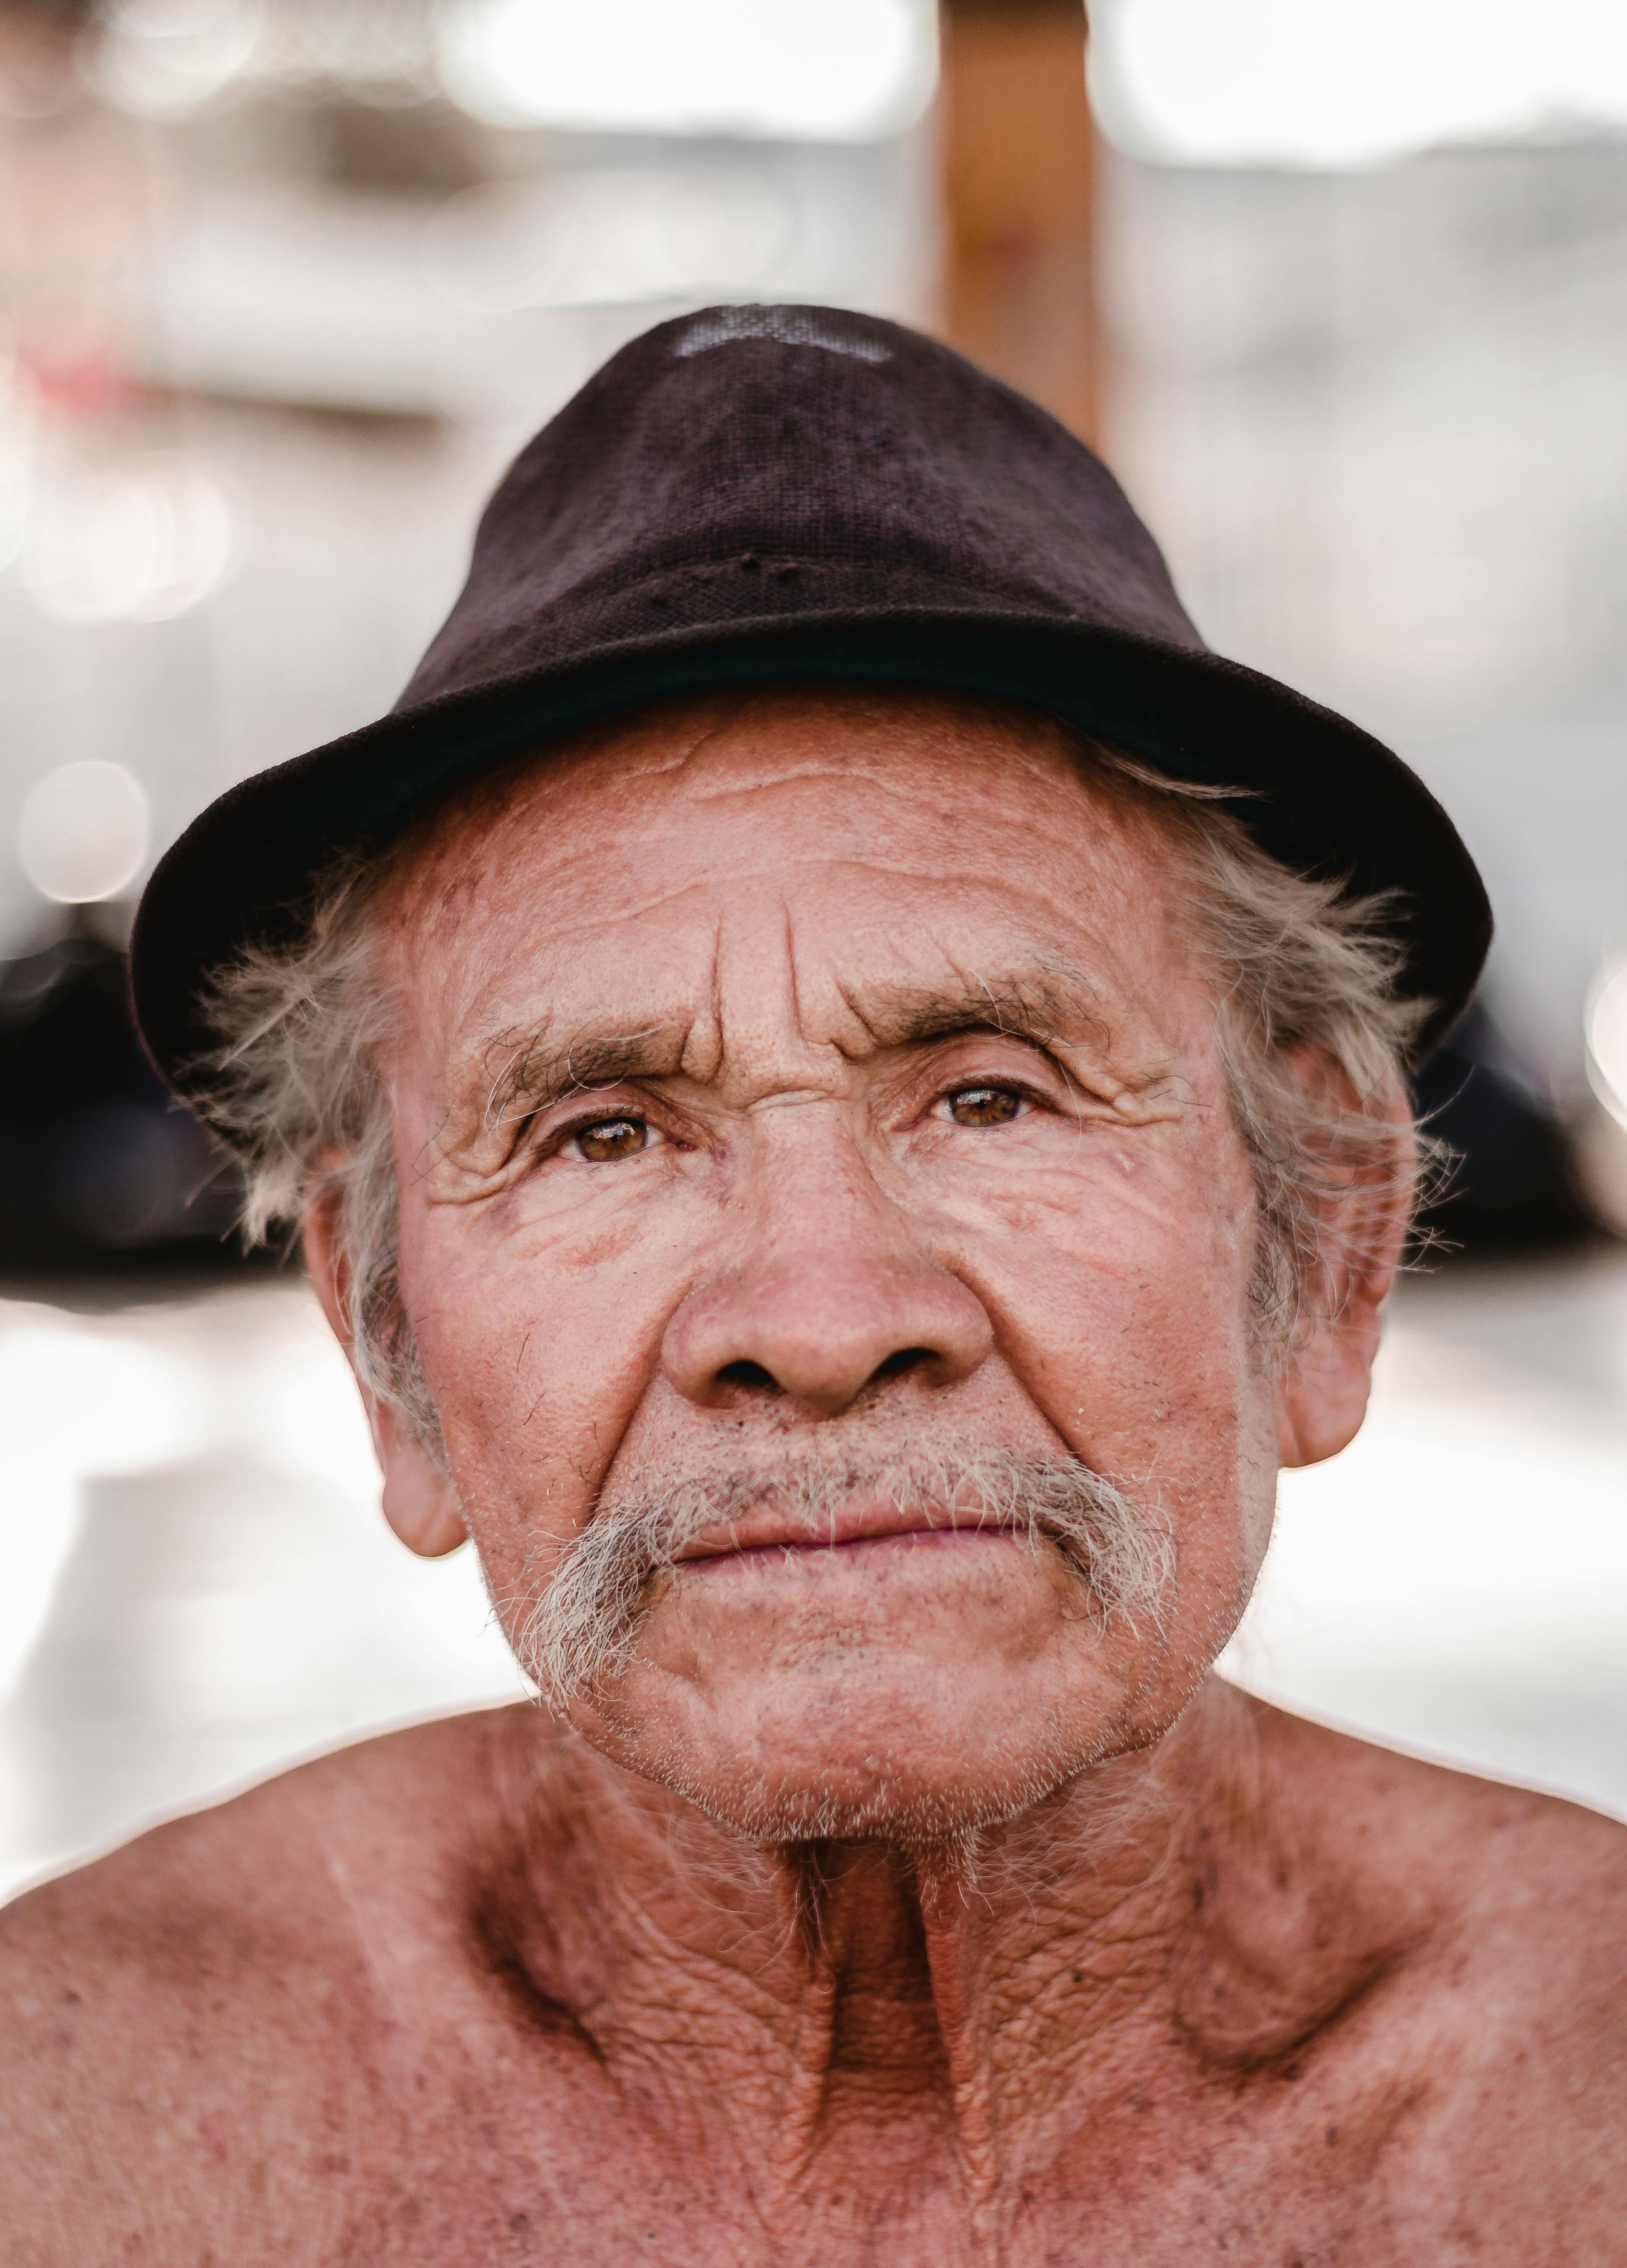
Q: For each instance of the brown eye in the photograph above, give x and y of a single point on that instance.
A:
(983, 1106)
(609, 1138)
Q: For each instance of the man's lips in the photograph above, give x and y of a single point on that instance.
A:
(862, 1519)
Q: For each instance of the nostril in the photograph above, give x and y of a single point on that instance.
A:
(750, 1375)
(899, 1364)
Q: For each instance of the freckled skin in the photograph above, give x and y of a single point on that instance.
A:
(832, 1071)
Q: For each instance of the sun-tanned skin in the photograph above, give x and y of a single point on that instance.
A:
(794, 1073)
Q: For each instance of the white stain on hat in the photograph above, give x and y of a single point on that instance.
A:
(792, 326)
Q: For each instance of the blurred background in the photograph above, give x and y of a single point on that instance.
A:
(1342, 296)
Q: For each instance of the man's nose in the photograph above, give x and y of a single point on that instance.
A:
(835, 1301)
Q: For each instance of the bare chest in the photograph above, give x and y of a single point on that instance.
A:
(550, 2158)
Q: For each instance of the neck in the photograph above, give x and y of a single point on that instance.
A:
(816, 1993)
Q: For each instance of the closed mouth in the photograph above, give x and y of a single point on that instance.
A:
(767, 1532)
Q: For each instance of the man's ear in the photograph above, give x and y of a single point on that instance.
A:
(419, 1500)
(1322, 1396)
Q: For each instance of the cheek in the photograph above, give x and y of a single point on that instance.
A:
(1126, 1314)
(535, 1364)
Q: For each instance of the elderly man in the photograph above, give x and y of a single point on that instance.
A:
(842, 1078)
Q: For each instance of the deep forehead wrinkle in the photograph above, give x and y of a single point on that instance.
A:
(531, 1072)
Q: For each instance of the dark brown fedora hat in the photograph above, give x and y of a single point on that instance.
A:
(769, 492)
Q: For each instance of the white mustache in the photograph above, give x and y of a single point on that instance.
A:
(583, 1626)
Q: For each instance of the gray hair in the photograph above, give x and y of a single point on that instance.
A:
(1301, 966)
(579, 1627)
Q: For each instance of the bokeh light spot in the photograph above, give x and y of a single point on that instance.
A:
(1607, 1040)
(84, 832)
(142, 542)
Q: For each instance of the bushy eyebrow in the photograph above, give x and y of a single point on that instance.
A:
(1043, 1006)
(533, 1072)
(527, 1073)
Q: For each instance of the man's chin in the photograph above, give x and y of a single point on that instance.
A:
(842, 1804)
(779, 1769)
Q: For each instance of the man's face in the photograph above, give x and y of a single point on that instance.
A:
(824, 1084)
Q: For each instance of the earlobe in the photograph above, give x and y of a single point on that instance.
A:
(1322, 1397)
(419, 1500)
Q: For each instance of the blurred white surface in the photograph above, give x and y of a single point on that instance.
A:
(846, 71)
(1276, 82)
(197, 1584)
(1456, 1582)
(198, 1588)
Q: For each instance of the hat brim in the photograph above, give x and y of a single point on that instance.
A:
(1315, 790)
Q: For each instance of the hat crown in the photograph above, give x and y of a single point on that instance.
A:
(781, 443)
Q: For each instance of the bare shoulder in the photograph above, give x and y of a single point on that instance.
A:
(1496, 1864)
(215, 1979)
(285, 1855)
(1497, 1921)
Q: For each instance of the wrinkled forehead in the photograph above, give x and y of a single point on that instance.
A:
(844, 840)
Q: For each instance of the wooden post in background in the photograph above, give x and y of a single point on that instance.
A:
(1018, 169)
